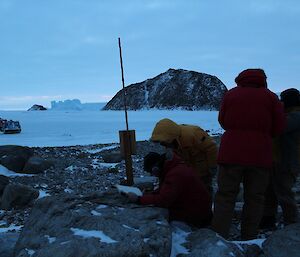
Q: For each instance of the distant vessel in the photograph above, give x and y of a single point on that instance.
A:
(10, 126)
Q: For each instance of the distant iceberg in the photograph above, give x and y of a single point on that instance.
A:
(75, 105)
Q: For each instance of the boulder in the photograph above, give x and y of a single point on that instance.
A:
(95, 225)
(17, 195)
(14, 157)
(206, 243)
(284, 242)
(111, 157)
(36, 165)
(3, 183)
(7, 243)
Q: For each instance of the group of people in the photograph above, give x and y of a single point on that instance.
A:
(259, 149)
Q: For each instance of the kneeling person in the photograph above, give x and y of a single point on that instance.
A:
(180, 190)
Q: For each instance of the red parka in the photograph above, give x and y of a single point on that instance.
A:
(250, 115)
(182, 192)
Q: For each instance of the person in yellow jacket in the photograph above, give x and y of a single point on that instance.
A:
(192, 144)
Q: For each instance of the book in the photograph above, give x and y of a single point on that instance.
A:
(129, 189)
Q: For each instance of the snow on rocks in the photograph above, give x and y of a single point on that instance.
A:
(11, 227)
(119, 231)
(93, 233)
(8, 173)
(43, 194)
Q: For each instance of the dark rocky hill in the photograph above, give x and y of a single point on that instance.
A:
(173, 89)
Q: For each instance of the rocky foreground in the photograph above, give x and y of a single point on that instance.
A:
(80, 213)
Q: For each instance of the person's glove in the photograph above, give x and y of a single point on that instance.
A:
(133, 198)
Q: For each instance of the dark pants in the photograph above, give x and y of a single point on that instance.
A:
(255, 181)
(280, 192)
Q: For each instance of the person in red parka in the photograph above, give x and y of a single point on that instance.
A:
(181, 191)
(251, 115)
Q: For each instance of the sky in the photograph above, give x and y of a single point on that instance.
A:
(66, 49)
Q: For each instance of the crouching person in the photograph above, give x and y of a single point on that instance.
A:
(180, 190)
(194, 146)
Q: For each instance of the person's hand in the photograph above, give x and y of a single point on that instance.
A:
(133, 198)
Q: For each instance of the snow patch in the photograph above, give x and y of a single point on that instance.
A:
(101, 206)
(30, 251)
(220, 243)
(68, 190)
(43, 194)
(95, 213)
(125, 226)
(99, 150)
(178, 238)
(71, 168)
(10, 228)
(108, 165)
(8, 173)
(257, 242)
(50, 239)
(93, 233)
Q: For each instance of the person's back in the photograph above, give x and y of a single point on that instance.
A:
(197, 148)
(183, 193)
(250, 115)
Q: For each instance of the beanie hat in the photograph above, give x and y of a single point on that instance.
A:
(166, 131)
(290, 97)
(252, 78)
(153, 160)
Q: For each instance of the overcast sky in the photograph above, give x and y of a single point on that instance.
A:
(65, 49)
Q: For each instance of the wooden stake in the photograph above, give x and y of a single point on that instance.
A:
(128, 136)
(124, 93)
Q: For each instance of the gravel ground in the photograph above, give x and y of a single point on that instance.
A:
(90, 168)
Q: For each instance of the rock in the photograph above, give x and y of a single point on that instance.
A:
(174, 89)
(206, 243)
(3, 183)
(95, 225)
(14, 157)
(37, 107)
(112, 157)
(285, 242)
(36, 165)
(7, 243)
(17, 195)
(145, 183)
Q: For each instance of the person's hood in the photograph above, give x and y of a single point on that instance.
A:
(255, 78)
(165, 131)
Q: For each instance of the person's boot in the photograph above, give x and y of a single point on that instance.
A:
(268, 223)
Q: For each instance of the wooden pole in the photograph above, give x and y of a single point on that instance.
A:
(126, 136)
(123, 84)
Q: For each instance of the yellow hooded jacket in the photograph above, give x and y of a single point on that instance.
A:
(196, 147)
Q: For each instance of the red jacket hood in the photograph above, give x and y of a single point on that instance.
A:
(255, 78)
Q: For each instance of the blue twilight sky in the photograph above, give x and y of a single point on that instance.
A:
(65, 49)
